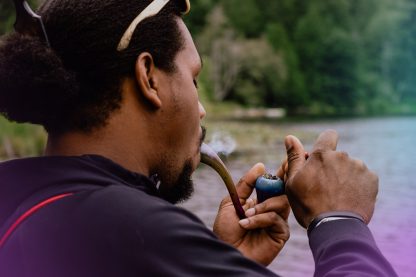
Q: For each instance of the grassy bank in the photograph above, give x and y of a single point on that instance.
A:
(20, 140)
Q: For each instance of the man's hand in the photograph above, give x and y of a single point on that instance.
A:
(263, 234)
(327, 180)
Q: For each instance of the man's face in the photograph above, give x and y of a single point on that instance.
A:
(182, 115)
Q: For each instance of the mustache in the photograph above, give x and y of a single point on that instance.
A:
(203, 134)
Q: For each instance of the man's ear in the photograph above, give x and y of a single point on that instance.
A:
(146, 78)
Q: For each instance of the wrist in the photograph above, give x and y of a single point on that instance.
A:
(330, 216)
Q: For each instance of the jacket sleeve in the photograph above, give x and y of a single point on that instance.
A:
(177, 244)
(347, 248)
(134, 234)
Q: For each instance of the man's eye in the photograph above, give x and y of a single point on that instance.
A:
(196, 83)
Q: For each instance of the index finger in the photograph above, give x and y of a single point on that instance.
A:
(246, 184)
(327, 140)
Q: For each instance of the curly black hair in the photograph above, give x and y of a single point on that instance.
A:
(75, 83)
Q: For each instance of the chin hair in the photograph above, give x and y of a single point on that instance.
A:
(181, 189)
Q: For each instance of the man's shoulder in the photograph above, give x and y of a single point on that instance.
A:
(122, 231)
(125, 204)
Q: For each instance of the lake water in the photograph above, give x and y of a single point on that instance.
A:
(386, 145)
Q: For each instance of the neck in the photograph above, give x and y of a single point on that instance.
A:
(77, 144)
(124, 139)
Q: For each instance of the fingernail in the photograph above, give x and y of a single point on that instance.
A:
(244, 222)
(250, 201)
(250, 212)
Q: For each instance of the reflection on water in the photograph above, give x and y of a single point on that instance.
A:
(386, 145)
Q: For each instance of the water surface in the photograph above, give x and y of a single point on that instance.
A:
(386, 145)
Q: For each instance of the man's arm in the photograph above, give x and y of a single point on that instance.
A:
(334, 197)
(346, 247)
(264, 232)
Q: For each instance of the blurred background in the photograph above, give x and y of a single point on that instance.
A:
(279, 67)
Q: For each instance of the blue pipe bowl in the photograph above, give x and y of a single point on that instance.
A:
(266, 188)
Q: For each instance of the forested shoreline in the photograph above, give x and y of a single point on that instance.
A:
(321, 57)
(315, 57)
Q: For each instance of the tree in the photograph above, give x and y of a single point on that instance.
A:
(197, 18)
(245, 17)
(262, 76)
(7, 14)
(295, 94)
(401, 60)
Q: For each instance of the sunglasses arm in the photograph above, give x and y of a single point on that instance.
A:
(28, 22)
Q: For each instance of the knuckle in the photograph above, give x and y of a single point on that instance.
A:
(250, 202)
(225, 201)
(373, 177)
(273, 216)
(286, 232)
(241, 181)
(318, 154)
(376, 182)
(361, 165)
(261, 207)
(343, 155)
(286, 205)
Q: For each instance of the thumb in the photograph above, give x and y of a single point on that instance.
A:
(246, 184)
(295, 156)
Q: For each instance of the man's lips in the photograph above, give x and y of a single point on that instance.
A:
(202, 136)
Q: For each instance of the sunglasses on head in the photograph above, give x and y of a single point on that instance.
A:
(28, 22)
(152, 9)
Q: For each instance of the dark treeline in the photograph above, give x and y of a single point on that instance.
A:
(311, 57)
(320, 57)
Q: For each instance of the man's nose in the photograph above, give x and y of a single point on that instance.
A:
(202, 111)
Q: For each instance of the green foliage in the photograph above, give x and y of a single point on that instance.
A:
(294, 87)
(401, 68)
(314, 57)
(261, 77)
(20, 140)
(196, 19)
(337, 56)
(245, 17)
(7, 14)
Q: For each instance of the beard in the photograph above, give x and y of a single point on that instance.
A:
(179, 190)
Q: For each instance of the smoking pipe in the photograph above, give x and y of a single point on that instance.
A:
(209, 157)
(266, 186)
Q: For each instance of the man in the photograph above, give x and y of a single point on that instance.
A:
(114, 84)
